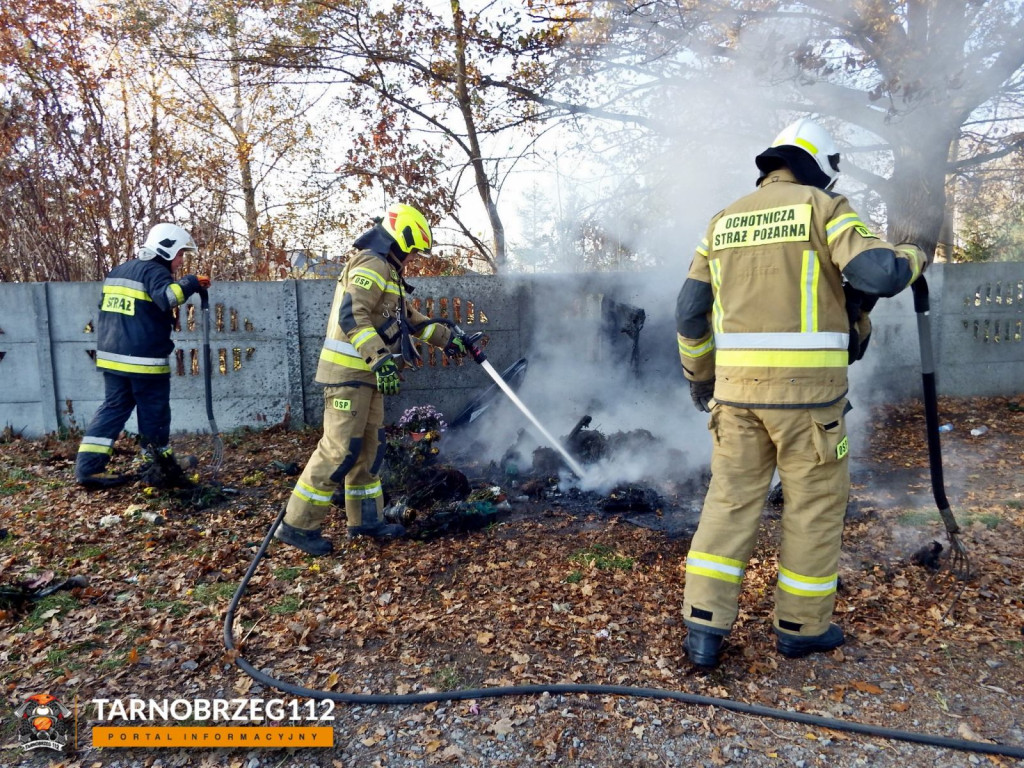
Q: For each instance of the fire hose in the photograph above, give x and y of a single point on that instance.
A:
(218, 443)
(578, 688)
(475, 350)
(959, 564)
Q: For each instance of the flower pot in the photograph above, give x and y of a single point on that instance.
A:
(417, 436)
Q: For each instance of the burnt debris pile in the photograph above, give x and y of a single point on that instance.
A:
(436, 486)
(430, 497)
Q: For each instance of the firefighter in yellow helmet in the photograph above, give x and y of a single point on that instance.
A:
(765, 341)
(369, 339)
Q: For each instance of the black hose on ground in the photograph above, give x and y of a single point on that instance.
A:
(570, 688)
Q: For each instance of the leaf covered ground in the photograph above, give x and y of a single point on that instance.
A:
(553, 591)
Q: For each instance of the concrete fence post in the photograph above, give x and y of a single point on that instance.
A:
(50, 410)
(294, 372)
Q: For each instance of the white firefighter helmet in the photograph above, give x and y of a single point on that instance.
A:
(816, 141)
(165, 241)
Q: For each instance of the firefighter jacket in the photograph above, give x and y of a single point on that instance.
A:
(137, 316)
(763, 310)
(370, 322)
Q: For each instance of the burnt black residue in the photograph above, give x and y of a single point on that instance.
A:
(421, 493)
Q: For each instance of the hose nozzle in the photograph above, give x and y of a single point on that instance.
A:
(475, 345)
(473, 342)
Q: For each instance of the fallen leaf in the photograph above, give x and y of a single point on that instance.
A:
(966, 732)
(866, 687)
(501, 728)
(452, 753)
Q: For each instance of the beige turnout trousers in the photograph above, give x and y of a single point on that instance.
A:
(809, 447)
(351, 452)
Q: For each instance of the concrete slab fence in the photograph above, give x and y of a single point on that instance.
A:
(266, 339)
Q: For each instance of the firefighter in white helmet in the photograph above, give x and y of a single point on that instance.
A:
(765, 341)
(370, 334)
(133, 342)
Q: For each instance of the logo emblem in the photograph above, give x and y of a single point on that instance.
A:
(43, 723)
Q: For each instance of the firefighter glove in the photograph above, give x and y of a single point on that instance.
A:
(456, 347)
(702, 392)
(860, 335)
(204, 281)
(388, 380)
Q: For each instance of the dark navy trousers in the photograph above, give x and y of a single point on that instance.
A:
(151, 395)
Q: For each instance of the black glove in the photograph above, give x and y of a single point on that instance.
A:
(858, 305)
(702, 392)
(860, 335)
(388, 380)
(456, 347)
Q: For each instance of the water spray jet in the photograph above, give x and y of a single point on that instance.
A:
(475, 349)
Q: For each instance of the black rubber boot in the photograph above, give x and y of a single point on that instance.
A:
(703, 646)
(373, 527)
(309, 541)
(102, 480)
(797, 646)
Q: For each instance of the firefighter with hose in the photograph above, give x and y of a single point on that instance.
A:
(132, 348)
(772, 312)
(369, 340)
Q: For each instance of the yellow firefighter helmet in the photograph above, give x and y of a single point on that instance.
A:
(408, 227)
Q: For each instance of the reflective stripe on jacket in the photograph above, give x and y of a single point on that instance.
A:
(364, 324)
(763, 310)
(136, 318)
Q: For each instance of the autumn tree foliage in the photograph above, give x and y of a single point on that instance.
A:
(58, 162)
(272, 127)
(115, 118)
(254, 135)
(920, 93)
(428, 124)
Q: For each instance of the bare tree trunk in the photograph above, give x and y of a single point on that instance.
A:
(244, 155)
(123, 190)
(916, 201)
(154, 149)
(483, 184)
(947, 238)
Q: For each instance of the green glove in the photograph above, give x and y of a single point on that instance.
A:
(388, 380)
(456, 347)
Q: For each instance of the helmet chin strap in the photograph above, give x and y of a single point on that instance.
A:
(396, 257)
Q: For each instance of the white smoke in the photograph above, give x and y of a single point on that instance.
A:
(577, 368)
(656, 197)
